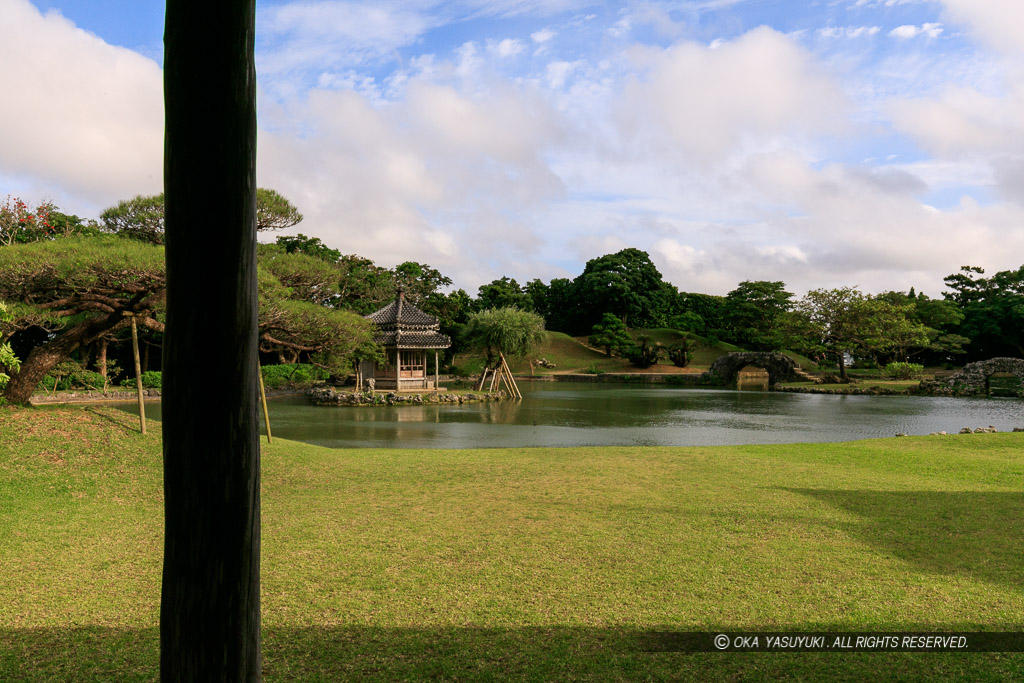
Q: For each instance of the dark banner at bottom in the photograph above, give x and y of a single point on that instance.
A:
(729, 641)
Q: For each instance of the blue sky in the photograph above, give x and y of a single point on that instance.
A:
(876, 143)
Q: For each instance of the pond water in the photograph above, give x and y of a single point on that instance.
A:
(564, 414)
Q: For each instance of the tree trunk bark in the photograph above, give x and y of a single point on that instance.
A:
(101, 357)
(210, 605)
(45, 357)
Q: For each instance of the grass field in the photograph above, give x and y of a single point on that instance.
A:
(525, 564)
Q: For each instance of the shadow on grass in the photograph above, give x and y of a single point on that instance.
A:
(468, 653)
(977, 533)
(117, 417)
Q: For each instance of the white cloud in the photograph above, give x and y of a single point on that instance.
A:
(79, 115)
(509, 47)
(848, 31)
(333, 34)
(962, 122)
(439, 177)
(558, 72)
(705, 103)
(542, 36)
(999, 23)
(907, 31)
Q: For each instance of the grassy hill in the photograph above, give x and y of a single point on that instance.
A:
(525, 564)
(573, 354)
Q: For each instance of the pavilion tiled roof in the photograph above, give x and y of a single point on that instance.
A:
(402, 325)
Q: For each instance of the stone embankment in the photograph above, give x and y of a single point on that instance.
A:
(847, 390)
(973, 379)
(695, 379)
(329, 396)
(92, 396)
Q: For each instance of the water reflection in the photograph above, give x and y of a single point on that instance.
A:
(558, 414)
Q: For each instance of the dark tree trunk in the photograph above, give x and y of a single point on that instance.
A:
(45, 357)
(101, 357)
(210, 607)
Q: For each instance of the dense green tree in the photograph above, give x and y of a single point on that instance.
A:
(142, 217)
(556, 303)
(80, 292)
(844, 321)
(78, 289)
(503, 293)
(20, 225)
(753, 314)
(311, 246)
(940, 319)
(993, 310)
(8, 361)
(418, 280)
(329, 338)
(363, 286)
(702, 314)
(308, 278)
(611, 335)
(503, 330)
(625, 283)
(274, 212)
(452, 310)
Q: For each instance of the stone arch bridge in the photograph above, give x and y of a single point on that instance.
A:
(780, 368)
(973, 379)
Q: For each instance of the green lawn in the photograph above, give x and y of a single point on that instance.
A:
(535, 564)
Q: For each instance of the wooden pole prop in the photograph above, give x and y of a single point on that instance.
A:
(263, 398)
(508, 384)
(138, 375)
(517, 393)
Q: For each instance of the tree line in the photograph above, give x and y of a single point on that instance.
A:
(71, 285)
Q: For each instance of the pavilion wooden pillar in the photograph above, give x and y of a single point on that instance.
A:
(210, 599)
(437, 372)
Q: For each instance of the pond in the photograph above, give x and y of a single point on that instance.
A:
(563, 414)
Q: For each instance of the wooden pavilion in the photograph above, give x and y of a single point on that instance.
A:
(407, 335)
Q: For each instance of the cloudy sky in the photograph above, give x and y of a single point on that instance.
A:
(877, 143)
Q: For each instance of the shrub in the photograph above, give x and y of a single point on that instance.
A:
(643, 355)
(903, 370)
(679, 353)
(277, 376)
(71, 375)
(151, 379)
(610, 334)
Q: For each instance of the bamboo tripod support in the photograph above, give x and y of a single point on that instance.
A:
(138, 375)
(500, 374)
(510, 381)
(263, 398)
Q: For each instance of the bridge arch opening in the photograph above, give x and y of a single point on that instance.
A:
(752, 378)
(1004, 384)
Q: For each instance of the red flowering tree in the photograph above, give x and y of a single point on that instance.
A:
(19, 224)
